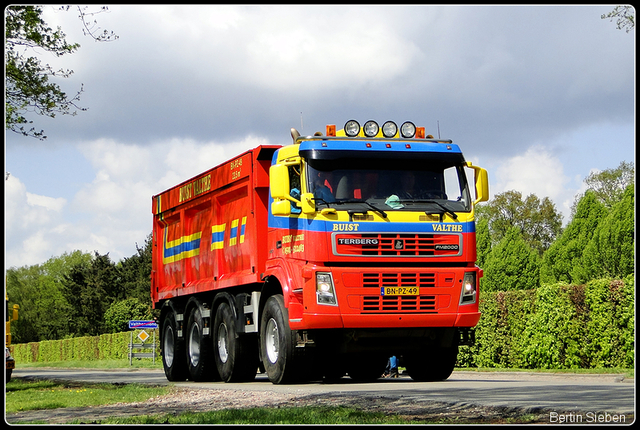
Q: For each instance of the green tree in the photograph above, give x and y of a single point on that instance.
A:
(511, 265)
(44, 311)
(117, 317)
(90, 289)
(136, 273)
(611, 251)
(28, 86)
(610, 184)
(624, 16)
(562, 262)
(483, 242)
(538, 220)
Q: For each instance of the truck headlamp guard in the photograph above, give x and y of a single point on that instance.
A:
(389, 129)
(352, 128)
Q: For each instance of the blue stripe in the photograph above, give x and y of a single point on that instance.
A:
(183, 247)
(302, 224)
(396, 146)
(217, 237)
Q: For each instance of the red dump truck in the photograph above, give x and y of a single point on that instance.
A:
(320, 259)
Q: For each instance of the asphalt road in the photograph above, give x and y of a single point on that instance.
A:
(606, 394)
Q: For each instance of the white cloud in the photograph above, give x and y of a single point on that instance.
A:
(51, 203)
(534, 172)
(28, 219)
(537, 172)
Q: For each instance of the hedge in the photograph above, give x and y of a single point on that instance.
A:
(113, 346)
(552, 327)
(556, 327)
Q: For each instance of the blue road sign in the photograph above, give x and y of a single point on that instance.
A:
(143, 324)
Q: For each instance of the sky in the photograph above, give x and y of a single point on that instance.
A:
(540, 96)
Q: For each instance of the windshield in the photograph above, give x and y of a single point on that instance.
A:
(391, 184)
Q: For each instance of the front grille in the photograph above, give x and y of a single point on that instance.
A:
(377, 280)
(382, 304)
(398, 244)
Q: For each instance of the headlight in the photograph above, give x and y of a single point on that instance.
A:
(389, 129)
(371, 128)
(325, 293)
(352, 128)
(408, 130)
(468, 294)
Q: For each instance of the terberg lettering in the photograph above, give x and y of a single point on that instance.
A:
(357, 241)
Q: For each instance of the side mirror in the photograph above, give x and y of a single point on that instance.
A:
(482, 183)
(279, 181)
(281, 207)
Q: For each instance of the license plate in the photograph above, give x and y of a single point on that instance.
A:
(399, 291)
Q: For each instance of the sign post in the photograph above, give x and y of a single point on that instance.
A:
(143, 335)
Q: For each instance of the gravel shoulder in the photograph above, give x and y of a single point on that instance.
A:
(189, 400)
(193, 399)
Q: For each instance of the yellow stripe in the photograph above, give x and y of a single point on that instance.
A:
(217, 236)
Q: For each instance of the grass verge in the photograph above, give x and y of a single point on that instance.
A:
(31, 395)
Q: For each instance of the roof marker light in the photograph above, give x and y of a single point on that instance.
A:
(408, 130)
(389, 129)
(331, 130)
(420, 132)
(352, 128)
(371, 128)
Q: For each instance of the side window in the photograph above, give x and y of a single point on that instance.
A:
(294, 184)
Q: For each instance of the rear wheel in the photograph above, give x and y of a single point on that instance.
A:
(199, 349)
(277, 343)
(174, 359)
(236, 357)
(432, 365)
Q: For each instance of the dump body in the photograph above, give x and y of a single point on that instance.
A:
(335, 248)
(210, 232)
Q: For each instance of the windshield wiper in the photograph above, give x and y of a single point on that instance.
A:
(443, 207)
(382, 213)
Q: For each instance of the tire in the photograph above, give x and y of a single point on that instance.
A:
(174, 359)
(277, 343)
(9, 372)
(432, 365)
(236, 358)
(199, 349)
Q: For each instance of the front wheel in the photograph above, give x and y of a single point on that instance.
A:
(277, 342)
